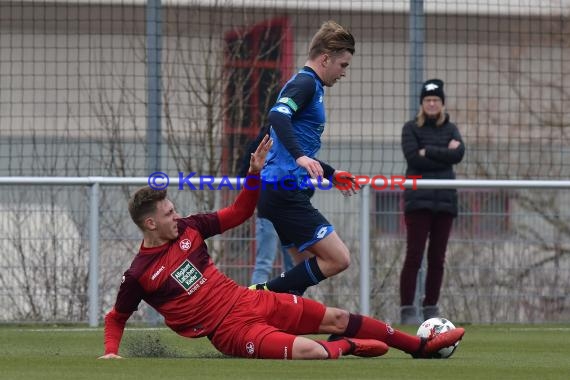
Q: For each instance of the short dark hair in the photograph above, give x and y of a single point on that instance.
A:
(331, 38)
(143, 202)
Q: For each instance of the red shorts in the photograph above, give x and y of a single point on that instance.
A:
(264, 325)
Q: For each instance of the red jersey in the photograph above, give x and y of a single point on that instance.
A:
(179, 278)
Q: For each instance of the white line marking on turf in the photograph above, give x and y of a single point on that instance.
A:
(93, 329)
(539, 329)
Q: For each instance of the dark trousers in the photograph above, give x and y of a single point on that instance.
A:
(420, 225)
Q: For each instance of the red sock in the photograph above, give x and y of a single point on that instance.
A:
(360, 326)
(337, 348)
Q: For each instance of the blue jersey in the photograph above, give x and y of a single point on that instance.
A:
(300, 100)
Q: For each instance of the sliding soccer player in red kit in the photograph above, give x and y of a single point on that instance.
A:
(174, 274)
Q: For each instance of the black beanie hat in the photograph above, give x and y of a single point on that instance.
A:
(432, 87)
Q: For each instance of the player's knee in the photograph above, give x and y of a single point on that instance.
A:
(337, 320)
(334, 260)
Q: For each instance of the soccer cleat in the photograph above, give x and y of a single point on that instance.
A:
(262, 286)
(430, 346)
(366, 348)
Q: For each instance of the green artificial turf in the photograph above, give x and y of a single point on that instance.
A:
(487, 352)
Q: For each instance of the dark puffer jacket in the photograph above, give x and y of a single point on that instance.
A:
(436, 164)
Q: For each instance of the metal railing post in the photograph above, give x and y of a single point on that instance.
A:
(365, 251)
(417, 38)
(93, 290)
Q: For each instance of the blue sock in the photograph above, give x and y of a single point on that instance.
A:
(298, 279)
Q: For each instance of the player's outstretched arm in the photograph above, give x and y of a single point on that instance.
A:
(244, 204)
(114, 327)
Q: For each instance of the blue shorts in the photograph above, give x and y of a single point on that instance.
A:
(295, 219)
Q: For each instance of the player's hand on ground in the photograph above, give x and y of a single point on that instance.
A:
(258, 157)
(110, 356)
(345, 182)
(313, 167)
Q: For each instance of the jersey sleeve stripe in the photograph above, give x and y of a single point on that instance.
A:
(289, 102)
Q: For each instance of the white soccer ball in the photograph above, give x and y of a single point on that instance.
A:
(433, 327)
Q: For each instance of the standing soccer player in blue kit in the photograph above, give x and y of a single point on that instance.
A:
(297, 122)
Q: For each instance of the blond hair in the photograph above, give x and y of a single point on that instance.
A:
(331, 38)
(421, 118)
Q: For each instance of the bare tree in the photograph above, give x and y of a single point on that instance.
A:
(529, 144)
